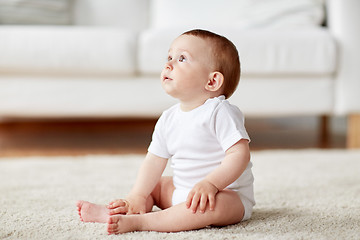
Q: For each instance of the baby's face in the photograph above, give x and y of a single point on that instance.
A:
(188, 67)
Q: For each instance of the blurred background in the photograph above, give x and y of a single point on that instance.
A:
(128, 136)
(82, 76)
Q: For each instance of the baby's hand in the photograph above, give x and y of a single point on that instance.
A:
(202, 193)
(137, 204)
(133, 204)
(118, 206)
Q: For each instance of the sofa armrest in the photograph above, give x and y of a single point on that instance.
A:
(344, 24)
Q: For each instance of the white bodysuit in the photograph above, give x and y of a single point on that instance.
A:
(196, 142)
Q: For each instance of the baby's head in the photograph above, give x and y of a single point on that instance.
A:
(224, 56)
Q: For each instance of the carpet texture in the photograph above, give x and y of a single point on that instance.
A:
(302, 194)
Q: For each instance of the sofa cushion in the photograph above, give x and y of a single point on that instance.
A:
(66, 49)
(239, 13)
(271, 52)
(41, 97)
(62, 97)
(285, 96)
(128, 14)
(38, 12)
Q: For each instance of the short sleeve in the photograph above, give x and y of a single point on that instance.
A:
(158, 143)
(229, 125)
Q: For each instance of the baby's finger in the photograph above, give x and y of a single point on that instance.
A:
(212, 202)
(116, 203)
(195, 202)
(189, 199)
(203, 201)
(110, 205)
(119, 210)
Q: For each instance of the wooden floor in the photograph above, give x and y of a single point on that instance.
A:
(58, 138)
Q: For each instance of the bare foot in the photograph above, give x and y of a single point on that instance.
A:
(121, 224)
(90, 212)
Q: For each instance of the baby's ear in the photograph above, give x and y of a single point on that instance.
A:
(215, 82)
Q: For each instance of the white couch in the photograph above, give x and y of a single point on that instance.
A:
(107, 64)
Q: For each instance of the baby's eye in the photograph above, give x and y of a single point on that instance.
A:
(182, 58)
(169, 58)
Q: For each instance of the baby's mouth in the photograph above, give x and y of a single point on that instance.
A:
(166, 79)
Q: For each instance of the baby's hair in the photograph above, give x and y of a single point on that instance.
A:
(226, 58)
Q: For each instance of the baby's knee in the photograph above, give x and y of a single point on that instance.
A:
(224, 214)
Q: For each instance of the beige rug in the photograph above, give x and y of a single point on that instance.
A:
(303, 194)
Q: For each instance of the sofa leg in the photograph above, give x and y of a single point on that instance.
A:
(324, 131)
(353, 131)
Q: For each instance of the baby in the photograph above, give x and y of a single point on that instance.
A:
(205, 137)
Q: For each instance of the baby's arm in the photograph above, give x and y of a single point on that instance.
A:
(149, 175)
(234, 164)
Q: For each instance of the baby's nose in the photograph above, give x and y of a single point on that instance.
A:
(168, 65)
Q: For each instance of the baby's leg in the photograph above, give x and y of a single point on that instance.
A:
(179, 218)
(91, 212)
(161, 196)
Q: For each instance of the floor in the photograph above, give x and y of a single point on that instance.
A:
(119, 136)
